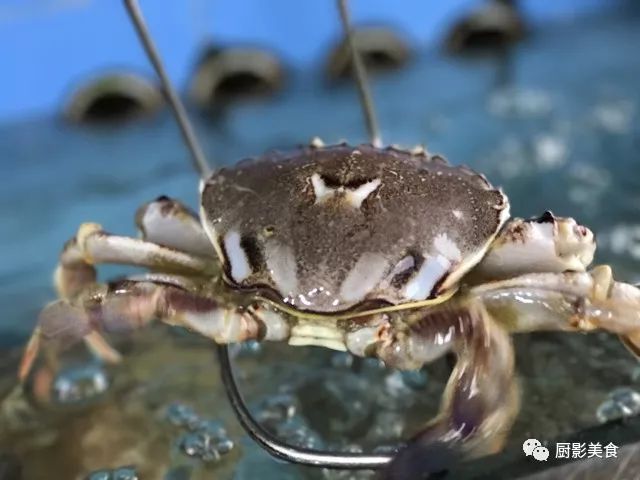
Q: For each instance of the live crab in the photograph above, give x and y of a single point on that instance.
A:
(381, 252)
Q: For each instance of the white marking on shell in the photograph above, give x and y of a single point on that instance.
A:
(353, 196)
(458, 214)
(422, 283)
(365, 275)
(447, 247)
(320, 189)
(356, 196)
(240, 268)
(282, 267)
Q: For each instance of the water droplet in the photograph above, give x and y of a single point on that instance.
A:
(277, 409)
(224, 446)
(182, 415)
(79, 384)
(120, 473)
(620, 403)
(298, 433)
(199, 445)
(124, 473)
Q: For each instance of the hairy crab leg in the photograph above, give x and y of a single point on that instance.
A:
(545, 244)
(167, 222)
(480, 401)
(128, 305)
(92, 246)
(571, 301)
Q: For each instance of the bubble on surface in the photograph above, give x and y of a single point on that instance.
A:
(120, 473)
(199, 445)
(182, 415)
(207, 442)
(79, 384)
(620, 403)
(124, 473)
(298, 433)
(276, 409)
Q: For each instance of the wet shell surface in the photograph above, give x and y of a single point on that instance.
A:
(326, 229)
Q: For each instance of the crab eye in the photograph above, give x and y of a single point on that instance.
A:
(546, 217)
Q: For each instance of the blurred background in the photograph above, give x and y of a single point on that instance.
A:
(541, 96)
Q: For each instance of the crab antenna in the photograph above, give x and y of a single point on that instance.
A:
(199, 161)
(364, 92)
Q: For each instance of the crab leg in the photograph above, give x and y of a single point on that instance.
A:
(92, 246)
(128, 305)
(480, 401)
(568, 301)
(545, 244)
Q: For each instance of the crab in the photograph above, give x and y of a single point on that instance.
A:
(381, 252)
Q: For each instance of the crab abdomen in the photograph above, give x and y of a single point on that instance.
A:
(329, 228)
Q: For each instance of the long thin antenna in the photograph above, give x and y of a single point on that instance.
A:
(361, 78)
(199, 161)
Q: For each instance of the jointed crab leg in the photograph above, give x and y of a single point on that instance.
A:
(92, 246)
(481, 398)
(566, 301)
(127, 305)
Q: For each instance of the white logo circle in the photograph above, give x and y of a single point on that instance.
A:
(529, 446)
(541, 454)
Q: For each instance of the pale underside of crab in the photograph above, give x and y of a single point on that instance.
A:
(380, 252)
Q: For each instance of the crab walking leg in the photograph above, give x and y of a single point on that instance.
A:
(480, 401)
(128, 305)
(92, 246)
(569, 301)
(545, 244)
(169, 223)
